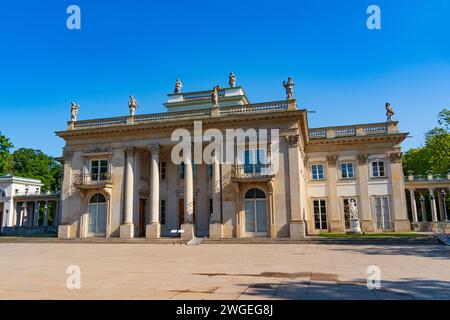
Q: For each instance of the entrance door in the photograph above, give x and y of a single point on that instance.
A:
(255, 206)
(97, 216)
(382, 215)
(142, 203)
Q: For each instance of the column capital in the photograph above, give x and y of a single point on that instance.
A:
(129, 151)
(155, 148)
(332, 159)
(395, 157)
(362, 158)
(293, 140)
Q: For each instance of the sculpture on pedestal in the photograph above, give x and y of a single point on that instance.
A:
(232, 80)
(132, 104)
(289, 86)
(355, 226)
(215, 96)
(178, 86)
(389, 112)
(74, 111)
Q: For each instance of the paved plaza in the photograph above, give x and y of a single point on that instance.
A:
(223, 271)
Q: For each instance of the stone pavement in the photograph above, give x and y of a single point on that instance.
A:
(223, 271)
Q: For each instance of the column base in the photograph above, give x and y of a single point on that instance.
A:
(153, 231)
(424, 226)
(297, 230)
(415, 226)
(367, 226)
(336, 226)
(188, 231)
(127, 231)
(64, 231)
(215, 231)
(402, 225)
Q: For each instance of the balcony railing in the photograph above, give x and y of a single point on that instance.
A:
(429, 177)
(353, 130)
(252, 171)
(185, 114)
(94, 179)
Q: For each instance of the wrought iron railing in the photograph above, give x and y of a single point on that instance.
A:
(251, 171)
(92, 179)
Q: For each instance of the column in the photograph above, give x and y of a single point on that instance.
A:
(422, 208)
(56, 214)
(433, 205)
(215, 228)
(36, 214)
(127, 228)
(297, 224)
(440, 195)
(367, 222)
(336, 222)
(188, 226)
(153, 230)
(445, 205)
(413, 205)
(46, 214)
(398, 196)
(24, 213)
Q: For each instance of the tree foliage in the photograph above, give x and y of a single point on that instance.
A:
(435, 154)
(33, 163)
(5, 155)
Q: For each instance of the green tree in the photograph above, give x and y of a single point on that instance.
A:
(435, 154)
(33, 163)
(6, 160)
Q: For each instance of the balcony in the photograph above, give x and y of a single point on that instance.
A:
(91, 181)
(251, 172)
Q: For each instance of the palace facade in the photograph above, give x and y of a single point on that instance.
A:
(119, 179)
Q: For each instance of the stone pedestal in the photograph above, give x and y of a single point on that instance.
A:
(64, 231)
(215, 231)
(367, 226)
(127, 231)
(297, 230)
(402, 225)
(355, 226)
(424, 226)
(188, 229)
(153, 231)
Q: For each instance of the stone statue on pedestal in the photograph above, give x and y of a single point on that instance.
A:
(389, 112)
(132, 104)
(289, 86)
(232, 80)
(74, 111)
(355, 226)
(178, 86)
(215, 96)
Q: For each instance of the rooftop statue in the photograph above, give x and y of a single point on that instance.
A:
(132, 104)
(389, 112)
(232, 80)
(178, 86)
(289, 86)
(215, 96)
(74, 111)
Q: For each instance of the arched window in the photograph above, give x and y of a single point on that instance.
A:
(97, 215)
(2, 193)
(255, 212)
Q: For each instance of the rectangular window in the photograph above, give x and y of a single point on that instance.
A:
(210, 206)
(382, 214)
(182, 170)
(320, 214)
(210, 170)
(254, 160)
(378, 169)
(162, 212)
(99, 170)
(347, 170)
(163, 170)
(317, 172)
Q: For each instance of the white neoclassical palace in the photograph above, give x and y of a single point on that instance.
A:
(119, 179)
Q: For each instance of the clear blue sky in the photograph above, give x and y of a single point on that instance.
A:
(342, 70)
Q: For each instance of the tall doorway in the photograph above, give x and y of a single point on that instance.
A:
(142, 205)
(181, 212)
(97, 216)
(255, 205)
